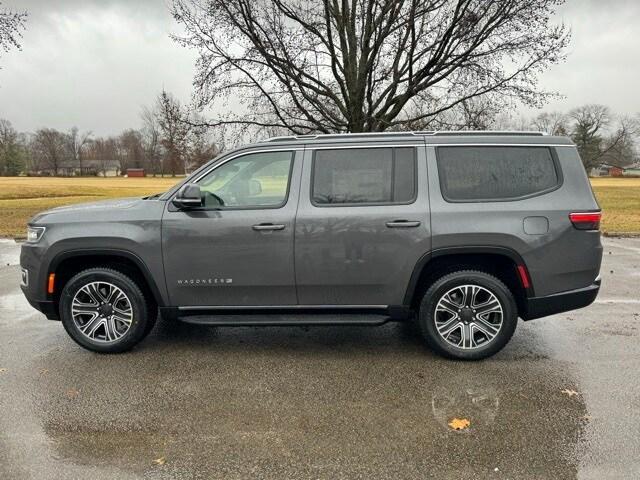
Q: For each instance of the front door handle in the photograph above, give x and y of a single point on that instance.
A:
(261, 227)
(403, 224)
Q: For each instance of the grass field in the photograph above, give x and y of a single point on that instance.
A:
(619, 199)
(22, 197)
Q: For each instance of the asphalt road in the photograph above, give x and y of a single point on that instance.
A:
(325, 402)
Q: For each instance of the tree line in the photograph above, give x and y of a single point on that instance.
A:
(168, 142)
(173, 141)
(600, 135)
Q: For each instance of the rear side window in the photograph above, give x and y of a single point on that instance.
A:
(364, 176)
(495, 173)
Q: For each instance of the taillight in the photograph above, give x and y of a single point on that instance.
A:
(586, 220)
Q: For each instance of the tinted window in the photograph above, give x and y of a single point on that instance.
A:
(484, 173)
(364, 175)
(253, 180)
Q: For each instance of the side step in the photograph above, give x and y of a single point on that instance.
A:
(286, 319)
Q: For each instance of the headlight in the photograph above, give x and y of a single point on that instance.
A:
(34, 234)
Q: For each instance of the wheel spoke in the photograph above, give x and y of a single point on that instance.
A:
(448, 306)
(92, 325)
(466, 337)
(488, 329)
(94, 293)
(121, 319)
(491, 306)
(110, 329)
(84, 308)
(446, 329)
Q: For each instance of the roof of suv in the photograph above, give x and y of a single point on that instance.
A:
(430, 137)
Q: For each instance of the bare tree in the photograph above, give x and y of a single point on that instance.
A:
(77, 143)
(619, 146)
(50, 147)
(103, 152)
(591, 124)
(151, 140)
(367, 65)
(172, 119)
(202, 148)
(554, 123)
(11, 26)
(131, 149)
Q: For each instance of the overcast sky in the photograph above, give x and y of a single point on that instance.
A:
(95, 63)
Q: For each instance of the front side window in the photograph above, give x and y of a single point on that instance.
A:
(495, 173)
(364, 176)
(255, 180)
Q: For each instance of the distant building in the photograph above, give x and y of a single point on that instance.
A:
(606, 170)
(136, 172)
(632, 170)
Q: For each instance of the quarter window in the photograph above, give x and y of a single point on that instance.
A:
(364, 176)
(255, 180)
(495, 173)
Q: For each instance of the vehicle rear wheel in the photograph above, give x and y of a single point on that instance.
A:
(105, 311)
(468, 315)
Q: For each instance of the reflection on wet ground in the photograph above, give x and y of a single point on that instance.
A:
(316, 402)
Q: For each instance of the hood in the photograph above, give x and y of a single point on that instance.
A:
(90, 208)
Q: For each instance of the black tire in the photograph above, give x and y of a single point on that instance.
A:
(142, 320)
(427, 315)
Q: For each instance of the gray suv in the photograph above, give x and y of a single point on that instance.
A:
(461, 233)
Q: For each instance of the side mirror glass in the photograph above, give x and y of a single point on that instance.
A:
(189, 196)
(255, 187)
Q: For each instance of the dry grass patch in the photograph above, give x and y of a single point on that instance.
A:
(620, 202)
(22, 197)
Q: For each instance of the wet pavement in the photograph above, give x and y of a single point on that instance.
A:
(562, 400)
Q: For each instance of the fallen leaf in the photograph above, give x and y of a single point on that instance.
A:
(2, 370)
(160, 461)
(43, 371)
(569, 393)
(72, 393)
(459, 423)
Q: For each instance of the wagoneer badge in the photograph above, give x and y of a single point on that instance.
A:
(204, 282)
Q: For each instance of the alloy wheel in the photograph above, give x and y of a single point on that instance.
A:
(102, 312)
(468, 316)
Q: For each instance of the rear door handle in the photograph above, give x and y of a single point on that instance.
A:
(403, 224)
(261, 227)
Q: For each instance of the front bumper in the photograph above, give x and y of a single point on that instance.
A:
(33, 279)
(538, 307)
(47, 307)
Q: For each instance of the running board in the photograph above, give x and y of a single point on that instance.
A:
(289, 314)
(285, 320)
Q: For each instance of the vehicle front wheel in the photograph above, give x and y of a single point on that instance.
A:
(105, 311)
(467, 315)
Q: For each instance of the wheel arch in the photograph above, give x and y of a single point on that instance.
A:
(66, 264)
(501, 262)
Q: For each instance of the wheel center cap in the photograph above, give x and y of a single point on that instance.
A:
(105, 310)
(466, 315)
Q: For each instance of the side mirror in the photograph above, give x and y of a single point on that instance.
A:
(255, 187)
(189, 196)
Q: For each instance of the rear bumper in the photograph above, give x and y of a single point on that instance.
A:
(538, 307)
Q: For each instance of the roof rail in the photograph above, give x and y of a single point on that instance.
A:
(405, 134)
